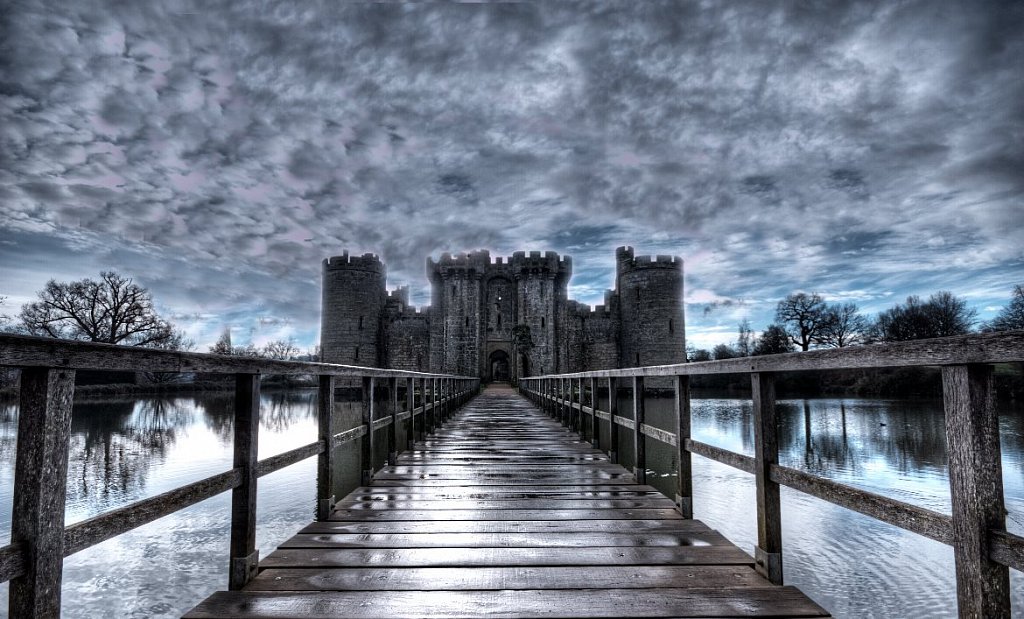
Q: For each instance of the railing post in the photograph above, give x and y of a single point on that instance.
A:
(244, 556)
(423, 413)
(40, 486)
(325, 461)
(577, 414)
(583, 423)
(684, 493)
(595, 436)
(976, 489)
(446, 393)
(366, 452)
(568, 403)
(613, 429)
(561, 400)
(433, 405)
(639, 444)
(393, 428)
(410, 405)
(768, 552)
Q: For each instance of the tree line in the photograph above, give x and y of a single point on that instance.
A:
(805, 320)
(115, 310)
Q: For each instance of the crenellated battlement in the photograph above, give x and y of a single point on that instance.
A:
(399, 295)
(477, 301)
(366, 262)
(626, 261)
(535, 262)
(462, 264)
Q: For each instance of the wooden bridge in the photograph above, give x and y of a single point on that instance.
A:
(508, 509)
(504, 512)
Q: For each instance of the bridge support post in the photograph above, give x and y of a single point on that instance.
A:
(325, 461)
(244, 556)
(40, 486)
(563, 409)
(595, 434)
(976, 489)
(639, 444)
(768, 552)
(366, 447)
(577, 411)
(613, 428)
(410, 405)
(393, 428)
(684, 492)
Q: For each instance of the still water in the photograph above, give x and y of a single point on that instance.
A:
(126, 449)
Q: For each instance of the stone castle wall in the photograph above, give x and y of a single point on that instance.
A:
(352, 303)
(476, 302)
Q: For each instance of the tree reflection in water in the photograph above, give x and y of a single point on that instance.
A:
(279, 410)
(114, 444)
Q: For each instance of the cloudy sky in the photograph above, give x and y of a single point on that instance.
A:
(217, 152)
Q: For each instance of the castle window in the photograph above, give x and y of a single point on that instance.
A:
(360, 322)
(637, 294)
(638, 358)
(467, 321)
(543, 289)
(357, 354)
(542, 322)
(453, 291)
(499, 321)
(670, 326)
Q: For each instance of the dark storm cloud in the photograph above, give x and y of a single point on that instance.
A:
(776, 146)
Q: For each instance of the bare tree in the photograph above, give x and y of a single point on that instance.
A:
(176, 342)
(113, 310)
(803, 316)
(5, 320)
(281, 349)
(1010, 317)
(843, 326)
(223, 343)
(745, 339)
(223, 347)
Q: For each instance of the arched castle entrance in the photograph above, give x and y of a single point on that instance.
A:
(498, 363)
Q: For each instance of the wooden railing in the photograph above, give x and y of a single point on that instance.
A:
(976, 530)
(33, 561)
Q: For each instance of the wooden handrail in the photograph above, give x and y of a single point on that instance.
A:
(976, 530)
(40, 540)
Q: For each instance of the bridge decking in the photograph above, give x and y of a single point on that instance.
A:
(505, 513)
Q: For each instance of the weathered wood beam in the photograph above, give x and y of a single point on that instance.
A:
(244, 556)
(976, 489)
(325, 432)
(768, 552)
(40, 484)
(684, 486)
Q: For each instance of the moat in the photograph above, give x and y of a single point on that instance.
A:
(124, 449)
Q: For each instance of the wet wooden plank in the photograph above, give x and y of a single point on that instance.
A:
(498, 492)
(679, 602)
(508, 514)
(482, 578)
(639, 526)
(482, 504)
(501, 540)
(495, 557)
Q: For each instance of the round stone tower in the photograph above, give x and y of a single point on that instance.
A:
(650, 290)
(354, 295)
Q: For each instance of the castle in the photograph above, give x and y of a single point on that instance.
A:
(502, 319)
